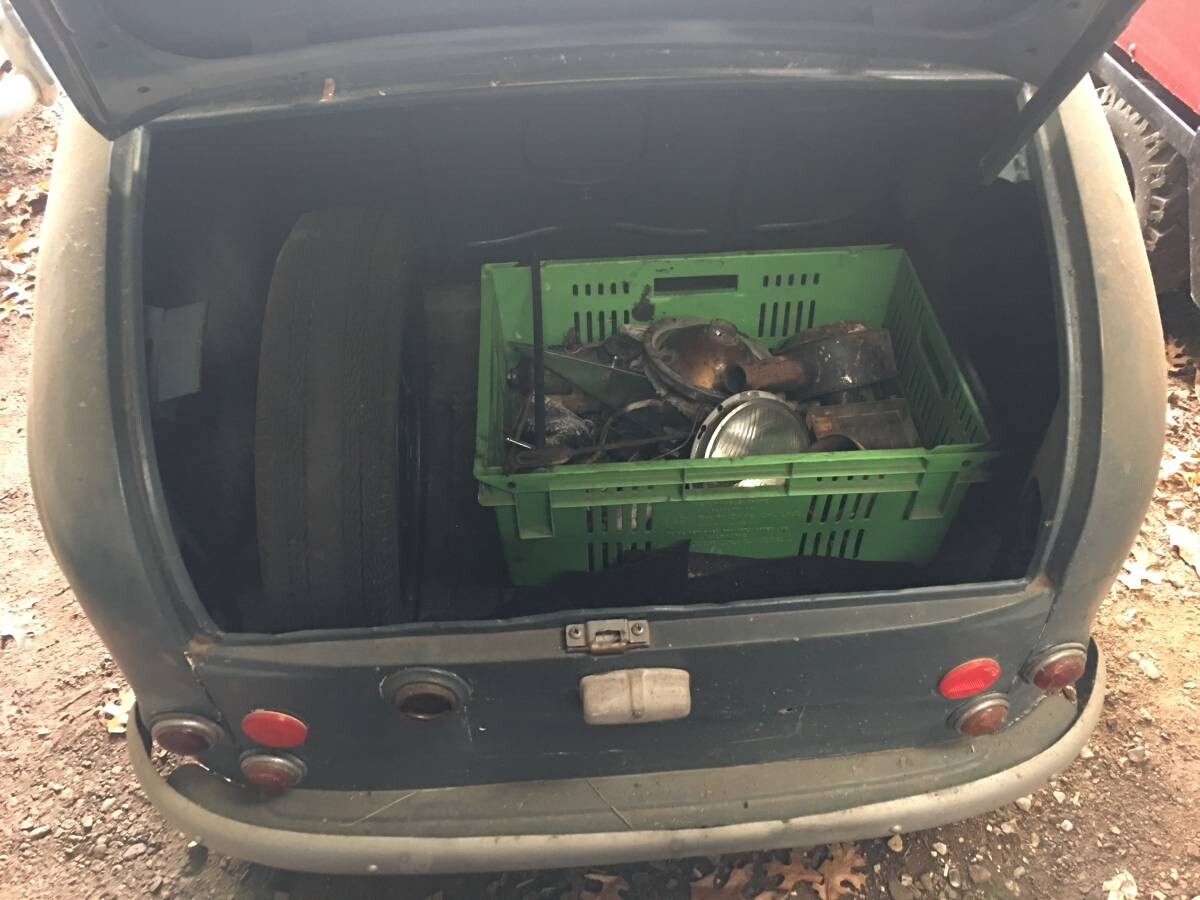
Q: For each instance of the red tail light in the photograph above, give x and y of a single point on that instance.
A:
(185, 735)
(274, 729)
(273, 772)
(1054, 669)
(982, 715)
(970, 678)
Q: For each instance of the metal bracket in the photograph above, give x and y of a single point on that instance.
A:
(1017, 169)
(1095, 39)
(603, 636)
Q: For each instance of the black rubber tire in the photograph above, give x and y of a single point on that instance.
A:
(1158, 178)
(330, 426)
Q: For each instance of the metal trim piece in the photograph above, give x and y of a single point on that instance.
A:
(1099, 34)
(602, 636)
(406, 684)
(378, 854)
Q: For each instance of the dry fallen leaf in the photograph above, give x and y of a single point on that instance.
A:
(1121, 887)
(1150, 669)
(795, 872)
(610, 887)
(1187, 542)
(835, 880)
(1177, 357)
(1174, 461)
(1140, 568)
(15, 302)
(706, 888)
(21, 243)
(840, 878)
(115, 716)
(13, 629)
(13, 197)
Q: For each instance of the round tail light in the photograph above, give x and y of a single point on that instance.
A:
(1056, 668)
(273, 772)
(274, 729)
(970, 678)
(983, 715)
(185, 735)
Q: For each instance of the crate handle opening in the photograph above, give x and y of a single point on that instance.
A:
(694, 284)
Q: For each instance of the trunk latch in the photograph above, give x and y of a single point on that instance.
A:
(601, 636)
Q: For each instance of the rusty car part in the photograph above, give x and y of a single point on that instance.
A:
(623, 346)
(645, 418)
(562, 428)
(543, 457)
(607, 380)
(873, 425)
(692, 355)
(829, 358)
(833, 443)
(520, 378)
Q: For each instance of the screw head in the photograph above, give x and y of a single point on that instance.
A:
(575, 631)
(638, 628)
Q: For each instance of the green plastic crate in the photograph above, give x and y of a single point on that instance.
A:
(870, 504)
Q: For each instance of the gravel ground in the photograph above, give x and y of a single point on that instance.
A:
(1120, 823)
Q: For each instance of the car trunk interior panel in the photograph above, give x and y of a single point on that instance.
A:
(584, 172)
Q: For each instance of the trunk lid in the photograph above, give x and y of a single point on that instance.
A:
(124, 62)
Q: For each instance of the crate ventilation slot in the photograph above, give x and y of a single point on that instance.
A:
(603, 555)
(840, 544)
(599, 289)
(836, 508)
(633, 517)
(596, 325)
(791, 279)
(780, 319)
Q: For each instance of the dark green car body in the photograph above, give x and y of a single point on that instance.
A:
(814, 718)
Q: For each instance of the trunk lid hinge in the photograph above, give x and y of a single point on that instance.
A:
(1075, 63)
(602, 636)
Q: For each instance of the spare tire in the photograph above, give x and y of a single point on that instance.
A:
(333, 436)
(1157, 176)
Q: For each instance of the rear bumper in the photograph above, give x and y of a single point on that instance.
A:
(571, 822)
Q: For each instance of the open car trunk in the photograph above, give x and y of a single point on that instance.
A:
(585, 173)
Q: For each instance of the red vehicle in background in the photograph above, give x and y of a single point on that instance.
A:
(1151, 96)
